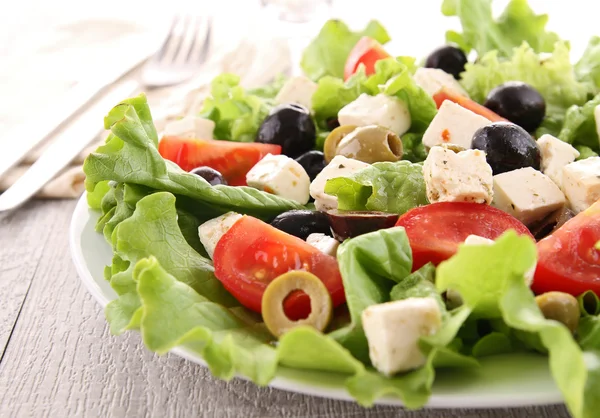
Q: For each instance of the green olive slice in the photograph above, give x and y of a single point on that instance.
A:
(272, 302)
(333, 139)
(371, 144)
(561, 307)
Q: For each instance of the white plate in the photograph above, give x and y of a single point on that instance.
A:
(501, 381)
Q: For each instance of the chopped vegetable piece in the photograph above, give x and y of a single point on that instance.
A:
(279, 289)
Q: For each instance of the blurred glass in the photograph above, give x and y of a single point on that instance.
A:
(298, 21)
(297, 11)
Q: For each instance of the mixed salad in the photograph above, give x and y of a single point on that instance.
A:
(380, 216)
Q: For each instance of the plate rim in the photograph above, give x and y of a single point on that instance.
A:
(80, 218)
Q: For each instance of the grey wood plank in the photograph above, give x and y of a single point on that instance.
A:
(62, 362)
(23, 235)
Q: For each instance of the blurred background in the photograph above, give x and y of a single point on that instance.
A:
(47, 47)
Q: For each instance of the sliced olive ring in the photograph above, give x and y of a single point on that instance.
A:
(278, 290)
(333, 139)
(371, 144)
(561, 307)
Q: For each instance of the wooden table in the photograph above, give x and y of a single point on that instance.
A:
(58, 359)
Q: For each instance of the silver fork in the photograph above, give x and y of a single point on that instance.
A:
(181, 55)
(185, 48)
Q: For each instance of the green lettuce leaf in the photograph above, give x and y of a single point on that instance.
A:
(269, 91)
(553, 77)
(131, 156)
(333, 94)
(237, 113)
(94, 198)
(481, 32)
(370, 264)
(491, 282)
(579, 127)
(152, 230)
(587, 68)
(173, 314)
(387, 187)
(413, 148)
(327, 53)
(393, 76)
(419, 284)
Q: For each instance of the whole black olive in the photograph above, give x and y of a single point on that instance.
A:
(448, 58)
(302, 223)
(507, 147)
(313, 163)
(519, 103)
(290, 126)
(210, 175)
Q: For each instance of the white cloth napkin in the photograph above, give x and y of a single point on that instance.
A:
(256, 58)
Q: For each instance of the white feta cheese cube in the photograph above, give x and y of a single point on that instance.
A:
(382, 110)
(324, 243)
(458, 177)
(453, 124)
(555, 155)
(581, 183)
(393, 331)
(282, 176)
(340, 166)
(432, 80)
(526, 194)
(597, 118)
(477, 240)
(210, 232)
(297, 90)
(193, 127)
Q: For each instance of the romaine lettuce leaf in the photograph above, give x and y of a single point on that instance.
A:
(579, 127)
(393, 76)
(370, 264)
(553, 77)
(387, 187)
(587, 68)
(483, 33)
(152, 230)
(491, 282)
(237, 113)
(131, 156)
(327, 53)
(419, 284)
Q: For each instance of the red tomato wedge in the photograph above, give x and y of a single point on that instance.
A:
(232, 159)
(446, 94)
(367, 51)
(567, 259)
(435, 231)
(252, 253)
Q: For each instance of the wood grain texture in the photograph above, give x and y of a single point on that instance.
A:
(61, 361)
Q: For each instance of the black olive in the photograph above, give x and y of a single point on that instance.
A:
(302, 223)
(350, 224)
(313, 163)
(290, 126)
(507, 147)
(519, 103)
(448, 58)
(210, 175)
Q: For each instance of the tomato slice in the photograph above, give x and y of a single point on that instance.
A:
(252, 253)
(367, 51)
(567, 259)
(232, 159)
(435, 231)
(446, 94)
